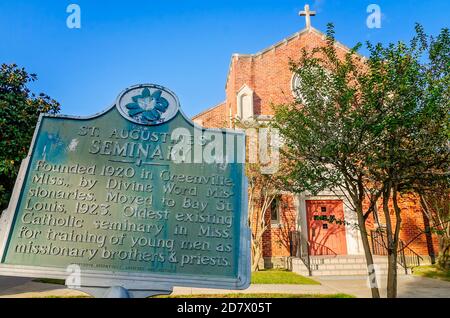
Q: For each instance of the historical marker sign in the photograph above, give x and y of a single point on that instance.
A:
(137, 196)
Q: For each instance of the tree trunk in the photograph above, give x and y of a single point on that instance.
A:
(444, 254)
(392, 275)
(437, 214)
(392, 259)
(393, 239)
(260, 227)
(368, 254)
(257, 243)
(256, 258)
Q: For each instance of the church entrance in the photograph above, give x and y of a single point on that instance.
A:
(325, 235)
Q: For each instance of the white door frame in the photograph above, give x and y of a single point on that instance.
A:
(352, 235)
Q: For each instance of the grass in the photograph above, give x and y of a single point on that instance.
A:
(65, 297)
(270, 276)
(263, 296)
(50, 281)
(280, 276)
(432, 271)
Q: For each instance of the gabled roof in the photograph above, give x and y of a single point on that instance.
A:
(282, 42)
(262, 52)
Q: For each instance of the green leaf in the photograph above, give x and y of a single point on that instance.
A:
(145, 93)
(132, 106)
(157, 94)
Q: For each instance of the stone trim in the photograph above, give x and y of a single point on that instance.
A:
(208, 110)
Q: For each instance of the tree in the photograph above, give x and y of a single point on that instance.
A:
(435, 202)
(262, 186)
(359, 127)
(406, 86)
(435, 193)
(325, 138)
(262, 192)
(19, 112)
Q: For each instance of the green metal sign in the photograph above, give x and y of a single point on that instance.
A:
(137, 192)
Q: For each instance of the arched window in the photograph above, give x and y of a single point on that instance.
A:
(245, 103)
(275, 211)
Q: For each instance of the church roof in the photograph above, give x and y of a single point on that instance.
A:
(283, 42)
(272, 47)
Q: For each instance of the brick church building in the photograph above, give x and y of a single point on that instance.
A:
(255, 82)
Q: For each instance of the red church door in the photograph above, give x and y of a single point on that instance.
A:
(326, 237)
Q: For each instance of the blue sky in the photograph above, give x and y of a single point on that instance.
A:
(185, 45)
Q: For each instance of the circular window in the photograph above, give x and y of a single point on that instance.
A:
(297, 86)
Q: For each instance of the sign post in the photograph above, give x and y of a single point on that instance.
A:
(130, 202)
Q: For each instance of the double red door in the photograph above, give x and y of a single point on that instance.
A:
(326, 231)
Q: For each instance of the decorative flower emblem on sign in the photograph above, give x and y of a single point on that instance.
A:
(148, 104)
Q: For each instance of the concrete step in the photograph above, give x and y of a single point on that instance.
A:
(351, 272)
(346, 266)
(358, 259)
(346, 272)
(342, 266)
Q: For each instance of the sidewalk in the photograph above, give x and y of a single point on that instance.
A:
(11, 287)
(408, 287)
(16, 287)
(259, 289)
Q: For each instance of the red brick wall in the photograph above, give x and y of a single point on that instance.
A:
(215, 117)
(412, 224)
(276, 238)
(268, 74)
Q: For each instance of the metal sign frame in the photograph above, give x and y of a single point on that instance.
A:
(137, 284)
